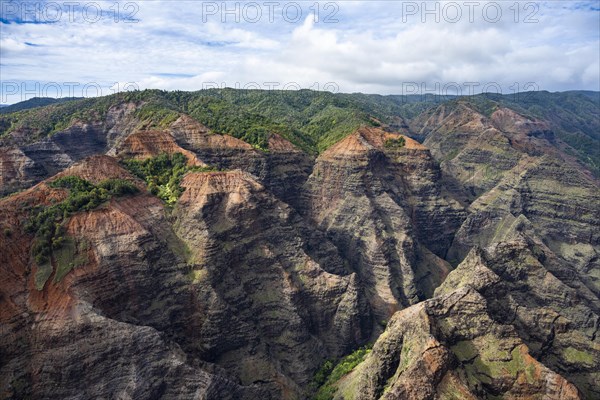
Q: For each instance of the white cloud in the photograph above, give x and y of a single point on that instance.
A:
(375, 47)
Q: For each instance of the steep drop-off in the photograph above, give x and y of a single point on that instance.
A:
(469, 261)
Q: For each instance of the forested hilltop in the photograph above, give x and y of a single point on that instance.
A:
(311, 120)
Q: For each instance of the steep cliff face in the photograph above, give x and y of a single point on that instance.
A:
(450, 348)
(470, 148)
(477, 150)
(290, 296)
(17, 170)
(25, 161)
(144, 144)
(380, 204)
(560, 202)
(540, 182)
(120, 133)
(93, 332)
(284, 169)
(537, 292)
(509, 321)
(480, 247)
(240, 299)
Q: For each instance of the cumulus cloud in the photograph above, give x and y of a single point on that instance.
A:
(376, 47)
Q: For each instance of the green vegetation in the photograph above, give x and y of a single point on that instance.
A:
(33, 103)
(406, 355)
(157, 115)
(163, 174)
(311, 120)
(465, 350)
(482, 104)
(490, 359)
(45, 121)
(47, 222)
(395, 143)
(322, 374)
(42, 274)
(327, 376)
(226, 118)
(574, 356)
(71, 254)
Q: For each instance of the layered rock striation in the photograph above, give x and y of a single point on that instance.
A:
(470, 261)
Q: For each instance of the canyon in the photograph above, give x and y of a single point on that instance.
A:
(454, 243)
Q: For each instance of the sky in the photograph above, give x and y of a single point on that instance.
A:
(89, 48)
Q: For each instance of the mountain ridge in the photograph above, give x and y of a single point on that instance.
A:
(469, 261)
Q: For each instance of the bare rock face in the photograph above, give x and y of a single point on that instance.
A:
(507, 322)
(382, 207)
(283, 170)
(512, 166)
(26, 162)
(551, 308)
(449, 347)
(480, 247)
(282, 299)
(143, 144)
(239, 300)
(17, 170)
(560, 203)
(470, 148)
(93, 333)
(288, 170)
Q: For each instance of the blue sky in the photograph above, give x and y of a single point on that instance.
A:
(390, 47)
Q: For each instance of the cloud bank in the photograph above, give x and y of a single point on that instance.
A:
(356, 46)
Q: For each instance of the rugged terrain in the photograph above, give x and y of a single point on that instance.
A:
(309, 246)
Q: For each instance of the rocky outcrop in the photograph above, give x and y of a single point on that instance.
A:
(380, 204)
(288, 170)
(470, 148)
(17, 170)
(143, 144)
(239, 300)
(509, 321)
(93, 333)
(283, 169)
(561, 204)
(450, 348)
(536, 180)
(528, 286)
(282, 297)
(25, 161)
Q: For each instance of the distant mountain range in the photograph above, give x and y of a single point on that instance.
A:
(33, 103)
